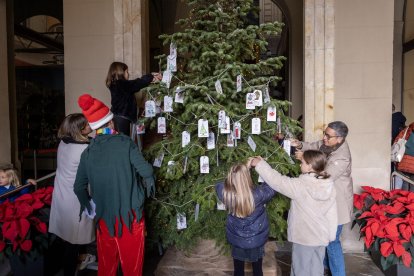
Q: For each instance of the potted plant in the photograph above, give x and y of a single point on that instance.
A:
(386, 221)
(23, 235)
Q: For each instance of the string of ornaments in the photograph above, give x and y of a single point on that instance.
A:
(254, 99)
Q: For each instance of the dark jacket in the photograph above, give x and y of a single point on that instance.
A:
(110, 164)
(251, 231)
(398, 123)
(123, 101)
(12, 197)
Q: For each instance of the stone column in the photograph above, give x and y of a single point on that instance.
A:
(319, 66)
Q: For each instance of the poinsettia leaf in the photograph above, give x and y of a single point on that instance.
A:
(24, 226)
(26, 245)
(41, 227)
(386, 249)
(406, 258)
(398, 249)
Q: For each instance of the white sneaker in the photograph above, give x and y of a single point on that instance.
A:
(88, 260)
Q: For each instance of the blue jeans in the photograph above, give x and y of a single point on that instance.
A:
(334, 256)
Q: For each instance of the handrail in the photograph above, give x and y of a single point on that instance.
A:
(5, 195)
(402, 176)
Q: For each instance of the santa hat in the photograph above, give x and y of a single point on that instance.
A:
(95, 111)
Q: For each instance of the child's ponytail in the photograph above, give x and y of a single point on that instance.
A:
(317, 160)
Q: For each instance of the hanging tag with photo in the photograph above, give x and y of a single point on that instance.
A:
(237, 130)
(256, 126)
(266, 96)
(150, 109)
(258, 100)
(173, 49)
(196, 212)
(179, 97)
(168, 104)
(185, 138)
(271, 113)
(251, 143)
(230, 140)
(222, 119)
(219, 89)
(158, 161)
(172, 63)
(161, 125)
(202, 128)
(140, 127)
(181, 221)
(226, 130)
(286, 146)
(204, 164)
(220, 206)
(211, 141)
(250, 101)
(166, 78)
(239, 83)
(279, 125)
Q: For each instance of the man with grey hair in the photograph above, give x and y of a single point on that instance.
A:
(339, 165)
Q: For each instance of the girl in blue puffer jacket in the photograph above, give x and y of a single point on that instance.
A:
(247, 226)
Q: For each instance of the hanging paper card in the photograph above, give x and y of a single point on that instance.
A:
(211, 141)
(158, 160)
(173, 49)
(140, 127)
(226, 130)
(258, 100)
(251, 143)
(162, 127)
(179, 97)
(256, 126)
(271, 113)
(239, 83)
(158, 107)
(230, 140)
(202, 128)
(220, 205)
(172, 63)
(279, 125)
(168, 104)
(219, 89)
(166, 78)
(185, 164)
(237, 130)
(196, 212)
(222, 119)
(286, 146)
(260, 179)
(181, 221)
(250, 101)
(150, 109)
(204, 164)
(170, 164)
(185, 138)
(266, 96)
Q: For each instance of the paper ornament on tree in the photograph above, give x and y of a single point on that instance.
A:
(279, 125)
(251, 143)
(237, 130)
(266, 96)
(256, 126)
(185, 138)
(173, 50)
(222, 119)
(211, 141)
(204, 164)
(179, 97)
(181, 221)
(185, 164)
(250, 101)
(170, 164)
(172, 63)
(162, 127)
(226, 130)
(271, 113)
(140, 127)
(168, 104)
(286, 146)
(202, 128)
(219, 89)
(196, 212)
(258, 100)
(150, 109)
(220, 205)
(239, 83)
(166, 78)
(158, 160)
(230, 140)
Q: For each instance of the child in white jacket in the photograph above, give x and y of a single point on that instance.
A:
(312, 220)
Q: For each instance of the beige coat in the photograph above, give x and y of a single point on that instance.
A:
(64, 214)
(312, 216)
(339, 166)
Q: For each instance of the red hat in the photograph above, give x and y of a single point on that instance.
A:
(95, 111)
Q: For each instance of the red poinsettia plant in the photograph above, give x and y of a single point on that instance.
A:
(24, 224)
(386, 220)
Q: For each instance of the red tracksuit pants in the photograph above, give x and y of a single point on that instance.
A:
(128, 249)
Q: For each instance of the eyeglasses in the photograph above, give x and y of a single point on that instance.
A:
(328, 136)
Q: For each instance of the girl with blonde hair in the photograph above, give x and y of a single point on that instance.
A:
(247, 225)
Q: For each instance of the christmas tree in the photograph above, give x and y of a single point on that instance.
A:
(213, 110)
